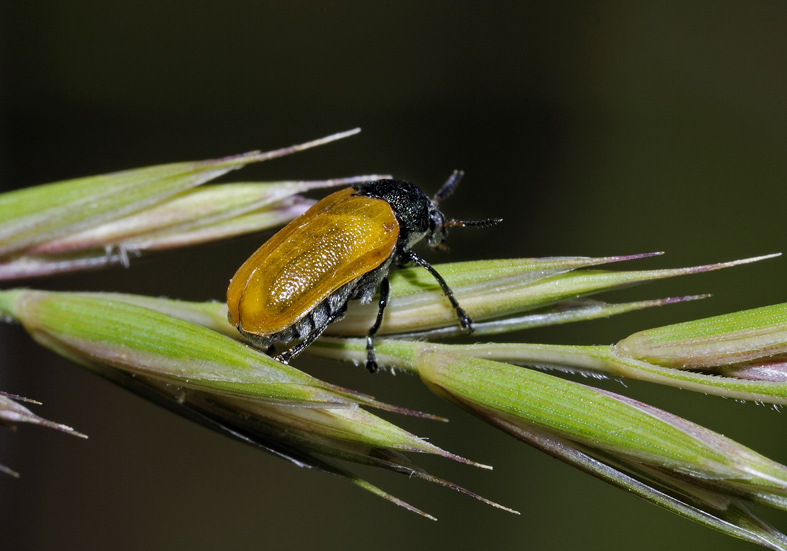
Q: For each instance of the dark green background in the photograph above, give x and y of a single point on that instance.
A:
(591, 128)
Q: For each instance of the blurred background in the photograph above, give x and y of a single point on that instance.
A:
(592, 128)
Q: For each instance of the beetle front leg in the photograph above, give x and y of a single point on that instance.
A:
(464, 319)
(385, 296)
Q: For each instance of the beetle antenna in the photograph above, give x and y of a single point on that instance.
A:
(449, 185)
(473, 223)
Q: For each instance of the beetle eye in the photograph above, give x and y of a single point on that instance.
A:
(436, 228)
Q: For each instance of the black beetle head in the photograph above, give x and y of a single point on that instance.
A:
(437, 224)
(418, 216)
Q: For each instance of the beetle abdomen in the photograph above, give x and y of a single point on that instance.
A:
(316, 319)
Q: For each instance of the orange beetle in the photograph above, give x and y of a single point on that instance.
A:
(342, 248)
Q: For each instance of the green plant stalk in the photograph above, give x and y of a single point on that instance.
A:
(498, 288)
(572, 410)
(715, 510)
(223, 384)
(196, 211)
(739, 337)
(33, 215)
(189, 358)
(144, 341)
(661, 458)
(604, 359)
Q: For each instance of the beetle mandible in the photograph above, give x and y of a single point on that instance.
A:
(341, 249)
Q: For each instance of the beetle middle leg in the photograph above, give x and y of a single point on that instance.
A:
(464, 319)
(385, 296)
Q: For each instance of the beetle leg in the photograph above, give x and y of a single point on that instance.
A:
(293, 352)
(464, 319)
(385, 296)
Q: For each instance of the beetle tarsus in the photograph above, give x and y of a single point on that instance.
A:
(371, 357)
(464, 320)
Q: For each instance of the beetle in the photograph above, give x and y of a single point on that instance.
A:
(341, 249)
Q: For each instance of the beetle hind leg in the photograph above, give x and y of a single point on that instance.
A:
(385, 296)
(313, 335)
